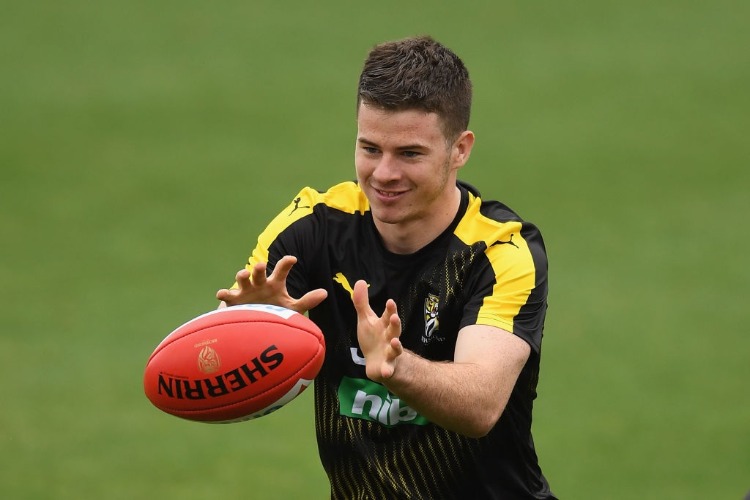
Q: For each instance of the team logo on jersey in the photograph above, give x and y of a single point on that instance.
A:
(431, 321)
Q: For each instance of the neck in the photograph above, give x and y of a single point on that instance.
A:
(408, 237)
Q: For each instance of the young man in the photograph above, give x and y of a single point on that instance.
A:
(431, 299)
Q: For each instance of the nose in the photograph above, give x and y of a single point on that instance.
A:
(386, 170)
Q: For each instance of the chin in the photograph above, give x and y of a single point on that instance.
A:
(386, 216)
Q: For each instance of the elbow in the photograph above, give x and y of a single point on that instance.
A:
(481, 424)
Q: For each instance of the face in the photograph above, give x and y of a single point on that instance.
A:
(406, 167)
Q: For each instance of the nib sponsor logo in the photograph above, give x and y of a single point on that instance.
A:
(365, 399)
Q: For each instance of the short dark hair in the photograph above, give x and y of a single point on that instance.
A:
(418, 73)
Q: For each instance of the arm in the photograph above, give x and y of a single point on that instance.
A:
(256, 288)
(467, 395)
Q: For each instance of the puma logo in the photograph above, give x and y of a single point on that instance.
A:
(509, 242)
(296, 202)
(341, 280)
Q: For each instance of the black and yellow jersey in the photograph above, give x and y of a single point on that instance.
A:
(489, 267)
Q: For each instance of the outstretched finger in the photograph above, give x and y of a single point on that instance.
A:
(391, 320)
(388, 368)
(258, 273)
(228, 295)
(243, 279)
(310, 300)
(397, 347)
(283, 267)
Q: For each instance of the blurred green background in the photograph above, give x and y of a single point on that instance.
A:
(143, 145)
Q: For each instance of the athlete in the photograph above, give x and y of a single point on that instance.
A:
(432, 300)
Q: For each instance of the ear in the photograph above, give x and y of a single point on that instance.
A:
(462, 148)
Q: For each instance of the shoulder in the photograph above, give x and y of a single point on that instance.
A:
(310, 207)
(345, 197)
(488, 221)
(507, 238)
(515, 298)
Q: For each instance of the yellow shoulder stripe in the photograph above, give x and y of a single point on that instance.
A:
(346, 197)
(511, 261)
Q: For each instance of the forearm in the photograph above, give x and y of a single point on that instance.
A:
(456, 396)
(467, 395)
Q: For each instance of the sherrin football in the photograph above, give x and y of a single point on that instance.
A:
(234, 364)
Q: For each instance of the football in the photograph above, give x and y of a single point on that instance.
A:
(234, 364)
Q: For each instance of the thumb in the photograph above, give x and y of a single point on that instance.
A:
(359, 297)
(310, 300)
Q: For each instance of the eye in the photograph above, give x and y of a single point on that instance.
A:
(370, 150)
(410, 154)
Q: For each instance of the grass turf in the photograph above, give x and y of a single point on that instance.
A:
(142, 147)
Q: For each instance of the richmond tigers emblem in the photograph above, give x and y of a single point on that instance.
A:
(431, 322)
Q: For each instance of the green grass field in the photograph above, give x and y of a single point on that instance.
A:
(144, 144)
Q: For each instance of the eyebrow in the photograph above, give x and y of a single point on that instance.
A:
(365, 141)
(406, 147)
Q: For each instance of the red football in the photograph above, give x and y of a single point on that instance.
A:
(234, 364)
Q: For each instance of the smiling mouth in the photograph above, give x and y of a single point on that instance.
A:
(389, 194)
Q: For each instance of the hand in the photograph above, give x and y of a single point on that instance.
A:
(378, 336)
(255, 288)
